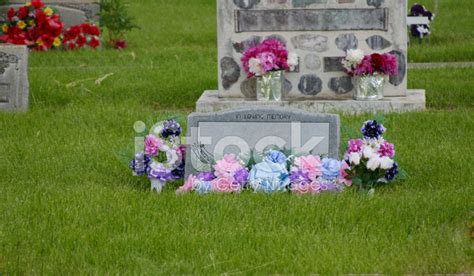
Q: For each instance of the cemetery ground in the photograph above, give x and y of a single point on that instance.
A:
(68, 203)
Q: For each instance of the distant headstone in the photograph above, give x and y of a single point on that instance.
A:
(13, 78)
(253, 130)
(319, 31)
(72, 12)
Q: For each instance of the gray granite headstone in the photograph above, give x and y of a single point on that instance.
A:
(72, 12)
(13, 78)
(253, 130)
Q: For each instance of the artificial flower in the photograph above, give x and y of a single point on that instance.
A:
(309, 165)
(355, 145)
(392, 173)
(227, 166)
(140, 164)
(274, 156)
(372, 130)
(374, 163)
(21, 24)
(48, 11)
(152, 145)
(293, 61)
(269, 177)
(57, 42)
(331, 168)
(188, 185)
(354, 158)
(255, 67)
(386, 163)
(386, 149)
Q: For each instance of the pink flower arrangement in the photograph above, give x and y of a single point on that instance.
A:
(270, 55)
(387, 149)
(229, 176)
(355, 145)
(310, 165)
(227, 166)
(358, 64)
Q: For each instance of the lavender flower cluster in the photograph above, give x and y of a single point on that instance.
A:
(162, 159)
(421, 31)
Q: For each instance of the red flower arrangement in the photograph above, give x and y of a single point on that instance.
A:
(38, 27)
(33, 25)
(82, 35)
(358, 64)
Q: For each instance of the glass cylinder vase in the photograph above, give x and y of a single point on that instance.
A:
(369, 88)
(270, 86)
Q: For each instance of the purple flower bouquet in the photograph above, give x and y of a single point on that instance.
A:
(163, 157)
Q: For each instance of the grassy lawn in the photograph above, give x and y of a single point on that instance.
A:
(68, 204)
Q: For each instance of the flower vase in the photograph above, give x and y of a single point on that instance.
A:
(270, 86)
(370, 87)
(157, 185)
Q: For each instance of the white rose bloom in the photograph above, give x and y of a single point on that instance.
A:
(292, 61)
(373, 163)
(255, 67)
(354, 158)
(386, 163)
(355, 56)
(368, 152)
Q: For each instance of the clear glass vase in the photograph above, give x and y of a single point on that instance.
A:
(369, 88)
(270, 86)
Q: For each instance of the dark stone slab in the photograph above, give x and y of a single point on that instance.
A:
(341, 85)
(402, 69)
(246, 130)
(333, 64)
(287, 87)
(246, 4)
(375, 3)
(377, 42)
(310, 85)
(252, 41)
(310, 20)
(347, 41)
(230, 72)
(310, 42)
(305, 3)
(249, 88)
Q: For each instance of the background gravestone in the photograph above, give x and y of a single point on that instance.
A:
(13, 78)
(240, 131)
(72, 12)
(319, 31)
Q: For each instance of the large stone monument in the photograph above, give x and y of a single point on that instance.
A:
(320, 32)
(14, 87)
(72, 12)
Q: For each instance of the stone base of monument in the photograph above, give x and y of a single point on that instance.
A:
(414, 101)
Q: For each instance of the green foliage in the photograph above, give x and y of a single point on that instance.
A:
(116, 20)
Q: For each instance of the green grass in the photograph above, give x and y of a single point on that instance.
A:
(452, 37)
(68, 204)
